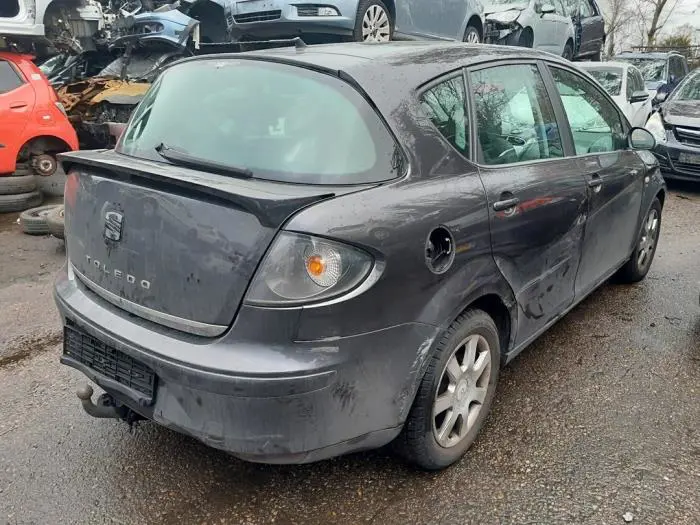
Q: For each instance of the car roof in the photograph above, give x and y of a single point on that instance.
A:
(651, 56)
(606, 65)
(410, 63)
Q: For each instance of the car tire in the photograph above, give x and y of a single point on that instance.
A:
(427, 439)
(13, 184)
(637, 267)
(20, 201)
(22, 169)
(56, 223)
(33, 221)
(568, 51)
(370, 11)
(472, 35)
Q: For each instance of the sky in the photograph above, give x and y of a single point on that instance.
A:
(686, 12)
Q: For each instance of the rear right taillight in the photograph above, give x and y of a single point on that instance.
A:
(300, 269)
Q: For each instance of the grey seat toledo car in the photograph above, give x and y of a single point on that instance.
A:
(297, 253)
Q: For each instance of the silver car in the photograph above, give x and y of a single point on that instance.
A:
(359, 20)
(546, 26)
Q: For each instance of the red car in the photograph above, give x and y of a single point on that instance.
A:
(33, 124)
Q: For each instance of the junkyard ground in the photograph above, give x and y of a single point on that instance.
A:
(597, 419)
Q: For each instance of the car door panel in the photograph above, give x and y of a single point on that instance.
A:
(614, 175)
(537, 208)
(592, 29)
(17, 101)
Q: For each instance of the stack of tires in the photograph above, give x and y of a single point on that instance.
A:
(18, 191)
(43, 220)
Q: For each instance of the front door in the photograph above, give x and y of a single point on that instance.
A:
(552, 29)
(537, 202)
(614, 176)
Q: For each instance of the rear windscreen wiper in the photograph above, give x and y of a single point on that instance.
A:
(189, 161)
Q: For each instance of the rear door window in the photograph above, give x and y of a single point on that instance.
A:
(514, 115)
(9, 78)
(445, 105)
(281, 122)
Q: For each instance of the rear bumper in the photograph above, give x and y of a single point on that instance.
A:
(669, 155)
(264, 401)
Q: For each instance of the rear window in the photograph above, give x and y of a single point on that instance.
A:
(9, 8)
(610, 79)
(281, 122)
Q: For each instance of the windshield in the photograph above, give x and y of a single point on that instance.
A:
(280, 122)
(689, 89)
(610, 79)
(651, 69)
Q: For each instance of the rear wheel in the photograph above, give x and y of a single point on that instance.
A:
(455, 394)
(373, 22)
(639, 263)
(568, 51)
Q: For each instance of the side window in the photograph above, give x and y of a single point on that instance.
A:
(676, 68)
(9, 79)
(444, 104)
(595, 123)
(514, 115)
(631, 84)
(586, 9)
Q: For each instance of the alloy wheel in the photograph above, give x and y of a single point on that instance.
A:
(650, 235)
(461, 391)
(473, 38)
(376, 26)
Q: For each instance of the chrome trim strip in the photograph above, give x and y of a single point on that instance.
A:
(688, 131)
(171, 321)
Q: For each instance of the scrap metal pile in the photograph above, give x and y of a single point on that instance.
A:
(102, 55)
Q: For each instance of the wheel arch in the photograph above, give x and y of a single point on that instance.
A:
(391, 6)
(43, 144)
(475, 20)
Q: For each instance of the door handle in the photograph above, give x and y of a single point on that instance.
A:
(18, 105)
(506, 204)
(595, 183)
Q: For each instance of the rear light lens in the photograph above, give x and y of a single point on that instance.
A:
(301, 269)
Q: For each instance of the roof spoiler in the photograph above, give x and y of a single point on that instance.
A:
(213, 48)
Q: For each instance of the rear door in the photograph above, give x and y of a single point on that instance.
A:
(614, 175)
(16, 104)
(552, 31)
(537, 201)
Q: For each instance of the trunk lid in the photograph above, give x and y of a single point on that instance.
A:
(173, 245)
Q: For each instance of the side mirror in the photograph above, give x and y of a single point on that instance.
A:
(661, 96)
(639, 96)
(640, 138)
(547, 9)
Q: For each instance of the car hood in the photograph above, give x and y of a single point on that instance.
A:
(682, 113)
(490, 9)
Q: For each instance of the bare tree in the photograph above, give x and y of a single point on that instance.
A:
(616, 18)
(659, 11)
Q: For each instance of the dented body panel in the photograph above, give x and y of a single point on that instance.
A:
(302, 383)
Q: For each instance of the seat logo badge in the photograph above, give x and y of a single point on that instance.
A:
(113, 225)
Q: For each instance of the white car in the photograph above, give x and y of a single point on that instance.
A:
(546, 26)
(625, 84)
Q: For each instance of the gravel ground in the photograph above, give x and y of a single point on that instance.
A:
(596, 422)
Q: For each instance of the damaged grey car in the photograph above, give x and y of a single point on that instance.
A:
(302, 252)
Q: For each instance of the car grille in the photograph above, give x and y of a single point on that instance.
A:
(688, 168)
(690, 136)
(108, 361)
(259, 16)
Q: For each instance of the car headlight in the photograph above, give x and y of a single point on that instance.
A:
(506, 17)
(300, 269)
(655, 126)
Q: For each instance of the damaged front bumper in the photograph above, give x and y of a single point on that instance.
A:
(261, 396)
(502, 33)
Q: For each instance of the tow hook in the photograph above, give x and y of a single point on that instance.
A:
(105, 407)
